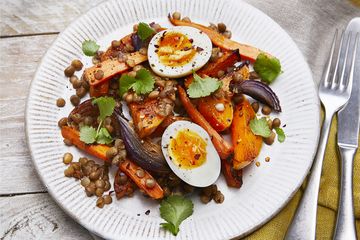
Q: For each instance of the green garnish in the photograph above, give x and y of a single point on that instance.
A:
(174, 210)
(202, 87)
(101, 135)
(89, 47)
(281, 134)
(144, 31)
(267, 68)
(106, 106)
(142, 83)
(260, 127)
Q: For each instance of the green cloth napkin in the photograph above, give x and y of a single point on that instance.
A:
(328, 198)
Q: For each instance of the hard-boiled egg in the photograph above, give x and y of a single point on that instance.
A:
(188, 150)
(178, 51)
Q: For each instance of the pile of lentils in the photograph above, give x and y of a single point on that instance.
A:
(211, 193)
(80, 85)
(94, 177)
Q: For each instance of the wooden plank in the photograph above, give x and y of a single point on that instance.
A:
(19, 17)
(36, 216)
(13, 148)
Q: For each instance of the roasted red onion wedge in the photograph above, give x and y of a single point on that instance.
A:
(259, 91)
(144, 154)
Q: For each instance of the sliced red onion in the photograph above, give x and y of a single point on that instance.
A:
(259, 91)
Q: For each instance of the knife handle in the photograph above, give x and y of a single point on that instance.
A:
(303, 225)
(345, 224)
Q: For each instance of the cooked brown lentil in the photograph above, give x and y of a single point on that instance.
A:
(88, 120)
(266, 110)
(100, 202)
(140, 173)
(81, 92)
(67, 142)
(75, 100)
(270, 140)
(254, 75)
(69, 171)
(100, 183)
(176, 15)
(77, 64)
(60, 102)
(67, 158)
(276, 123)
(107, 186)
(150, 183)
(85, 181)
(73, 78)
(219, 197)
(99, 192)
(99, 74)
(94, 175)
(69, 71)
(227, 34)
(267, 159)
(221, 27)
(270, 123)
(257, 164)
(255, 106)
(111, 152)
(63, 122)
(115, 44)
(107, 199)
(205, 199)
(186, 19)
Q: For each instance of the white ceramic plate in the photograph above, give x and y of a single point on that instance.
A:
(266, 189)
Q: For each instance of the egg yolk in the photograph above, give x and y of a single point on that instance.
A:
(175, 49)
(187, 149)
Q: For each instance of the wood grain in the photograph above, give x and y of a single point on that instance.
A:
(27, 17)
(36, 216)
(22, 57)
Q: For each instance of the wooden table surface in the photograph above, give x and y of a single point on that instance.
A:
(27, 29)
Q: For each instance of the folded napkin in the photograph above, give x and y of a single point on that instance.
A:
(328, 198)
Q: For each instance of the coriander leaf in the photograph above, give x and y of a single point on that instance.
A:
(267, 68)
(202, 87)
(144, 31)
(281, 134)
(174, 210)
(89, 47)
(143, 82)
(104, 136)
(106, 106)
(125, 83)
(260, 127)
(88, 134)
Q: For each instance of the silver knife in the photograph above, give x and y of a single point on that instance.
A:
(348, 140)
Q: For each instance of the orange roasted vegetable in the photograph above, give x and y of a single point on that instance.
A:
(99, 90)
(247, 146)
(127, 166)
(111, 67)
(228, 59)
(145, 116)
(223, 148)
(233, 177)
(247, 52)
(217, 111)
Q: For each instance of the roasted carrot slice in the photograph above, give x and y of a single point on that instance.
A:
(247, 146)
(99, 90)
(111, 67)
(128, 167)
(247, 52)
(223, 148)
(218, 119)
(228, 59)
(73, 135)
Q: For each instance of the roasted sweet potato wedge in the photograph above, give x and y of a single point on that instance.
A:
(145, 117)
(167, 121)
(217, 111)
(247, 146)
(111, 67)
(247, 52)
(99, 90)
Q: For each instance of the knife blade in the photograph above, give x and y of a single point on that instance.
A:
(349, 116)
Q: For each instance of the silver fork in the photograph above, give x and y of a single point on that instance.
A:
(334, 92)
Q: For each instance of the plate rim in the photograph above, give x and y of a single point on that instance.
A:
(252, 229)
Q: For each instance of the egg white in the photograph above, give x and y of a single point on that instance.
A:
(202, 176)
(199, 38)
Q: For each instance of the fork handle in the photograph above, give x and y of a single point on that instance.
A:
(303, 225)
(345, 224)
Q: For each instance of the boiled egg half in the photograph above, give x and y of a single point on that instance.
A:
(178, 51)
(188, 150)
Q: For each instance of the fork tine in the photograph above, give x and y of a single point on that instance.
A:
(342, 76)
(326, 73)
(352, 66)
(335, 72)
